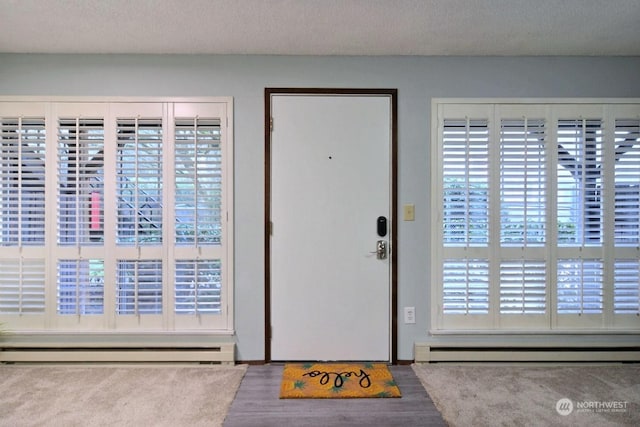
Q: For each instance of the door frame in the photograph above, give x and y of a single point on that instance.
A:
(393, 94)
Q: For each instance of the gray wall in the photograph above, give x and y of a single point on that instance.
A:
(418, 79)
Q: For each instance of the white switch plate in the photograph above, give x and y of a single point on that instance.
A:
(409, 212)
(409, 315)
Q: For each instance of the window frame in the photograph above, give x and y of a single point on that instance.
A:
(168, 109)
(552, 109)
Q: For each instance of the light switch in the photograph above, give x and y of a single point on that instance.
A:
(409, 212)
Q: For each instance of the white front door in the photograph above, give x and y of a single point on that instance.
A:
(330, 182)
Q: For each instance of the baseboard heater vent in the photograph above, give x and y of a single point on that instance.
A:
(219, 353)
(429, 353)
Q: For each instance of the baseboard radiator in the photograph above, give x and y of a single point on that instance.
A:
(118, 351)
(433, 353)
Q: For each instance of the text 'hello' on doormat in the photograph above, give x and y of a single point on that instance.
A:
(337, 380)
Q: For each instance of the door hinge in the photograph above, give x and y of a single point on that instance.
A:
(270, 228)
(271, 124)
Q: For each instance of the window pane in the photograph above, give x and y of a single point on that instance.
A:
(80, 286)
(580, 286)
(465, 182)
(22, 181)
(139, 287)
(522, 182)
(627, 178)
(465, 286)
(198, 287)
(198, 184)
(523, 287)
(139, 181)
(579, 182)
(80, 181)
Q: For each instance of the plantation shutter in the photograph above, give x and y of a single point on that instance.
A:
(141, 211)
(198, 181)
(139, 181)
(540, 217)
(80, 181)
(139, 287)
(465, 182)
(199, 224)
(116, 216)
(466, 286)
(22, 286)
(22, 181)
(465, 168)
(78, 245)
(626, 175)
(22, 213)
(80, 286)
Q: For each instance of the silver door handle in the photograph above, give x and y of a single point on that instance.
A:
(381, 249)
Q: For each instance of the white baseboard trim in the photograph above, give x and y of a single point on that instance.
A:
(35, 348)
(432, 353)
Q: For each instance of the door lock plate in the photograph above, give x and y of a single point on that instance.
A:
(381, 249)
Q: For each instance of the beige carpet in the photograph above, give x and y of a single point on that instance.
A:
(99, 395)
(520, 395)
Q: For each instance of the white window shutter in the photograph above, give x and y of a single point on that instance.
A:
(116, 216)
(22, 181)
(80, 287)
(139, 289)
(197, 287)
(523, 287)
(466, 286)
(580, 181)
(523, 181)
(22, 286)
(139, 181)
(465, 183)
(80, 181)
(198, 181)
(563, 217)
(627, 182)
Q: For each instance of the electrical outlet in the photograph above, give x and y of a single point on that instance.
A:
(409, 315)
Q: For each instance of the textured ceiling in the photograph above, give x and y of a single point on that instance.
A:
(322, 27)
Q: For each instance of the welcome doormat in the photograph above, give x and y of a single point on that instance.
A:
(337, 380)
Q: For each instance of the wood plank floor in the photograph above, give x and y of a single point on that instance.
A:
(257, 403)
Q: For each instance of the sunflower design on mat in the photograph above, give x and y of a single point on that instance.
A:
(337, 380)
